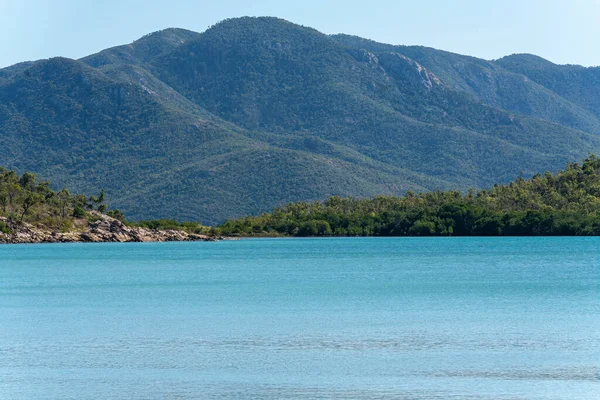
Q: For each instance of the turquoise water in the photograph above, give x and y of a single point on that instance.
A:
(401, 318)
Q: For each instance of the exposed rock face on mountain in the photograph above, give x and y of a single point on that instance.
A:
(256, 112)
(105, 229)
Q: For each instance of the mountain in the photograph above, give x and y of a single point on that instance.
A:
(258, 112)
(491, 83)
(573, 82)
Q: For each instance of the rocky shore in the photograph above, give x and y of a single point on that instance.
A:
(104, 229)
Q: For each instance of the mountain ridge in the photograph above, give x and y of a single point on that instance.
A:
(257, 112)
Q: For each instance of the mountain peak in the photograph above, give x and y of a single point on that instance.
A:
(525, 58)
(252, 21)
(173, 36)
(254, 27)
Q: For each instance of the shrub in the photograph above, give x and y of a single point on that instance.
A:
(422, 228)
(78, 212)
(4, 228)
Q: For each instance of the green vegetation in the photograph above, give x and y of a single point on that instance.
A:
(259, 112)
(170, 224)
(25, 199)
(525, 84)
(566, 203)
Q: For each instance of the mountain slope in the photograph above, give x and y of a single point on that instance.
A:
(142, 50)
(492, 84)
(157, 161)
(257, 112)
(268, 74)
(578, 84)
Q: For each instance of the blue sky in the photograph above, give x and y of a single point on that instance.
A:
(564, 31)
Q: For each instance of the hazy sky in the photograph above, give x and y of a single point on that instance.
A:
(563, 31)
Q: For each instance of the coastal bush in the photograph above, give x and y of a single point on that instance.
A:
(311, 228)
(116, 214)
(23, 198)
(4, 228)
(170, 224)
(66, 226)
(78, 212)
(565, 203)
(422, 228)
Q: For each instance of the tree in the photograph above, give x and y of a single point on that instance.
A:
(3, 198)
(116, 214)
(423, 228)
(27, 181)
(64, 201)
(13, 191)
(78, 212)
(98, 201)
(30, 199)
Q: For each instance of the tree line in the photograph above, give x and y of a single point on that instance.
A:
(564, 203)
(23, 198)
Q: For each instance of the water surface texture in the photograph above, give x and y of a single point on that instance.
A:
(398, 318)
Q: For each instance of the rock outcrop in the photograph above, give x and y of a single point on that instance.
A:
(104, 229)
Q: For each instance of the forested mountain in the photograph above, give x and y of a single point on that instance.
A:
(498, 84)
(257, 112)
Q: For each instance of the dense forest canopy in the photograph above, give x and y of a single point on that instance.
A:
(565, 203)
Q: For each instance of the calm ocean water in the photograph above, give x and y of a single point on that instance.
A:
(401, 318)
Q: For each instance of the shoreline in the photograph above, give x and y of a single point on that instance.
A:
(104, 230)
(170, 236)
